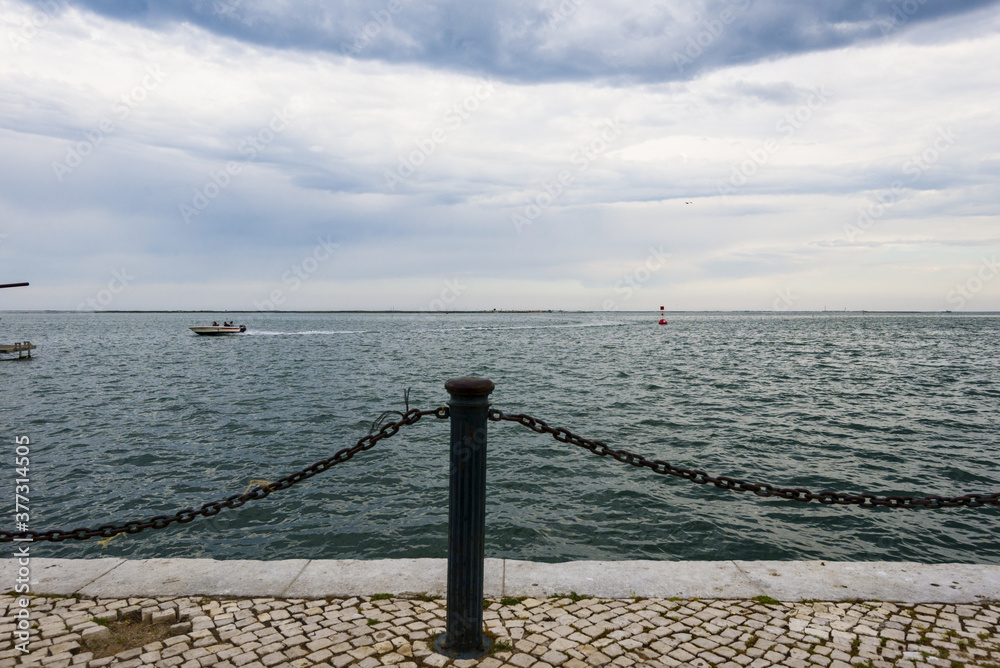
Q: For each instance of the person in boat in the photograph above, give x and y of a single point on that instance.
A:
(215, 324)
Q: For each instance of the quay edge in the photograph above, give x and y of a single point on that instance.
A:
(905, 582)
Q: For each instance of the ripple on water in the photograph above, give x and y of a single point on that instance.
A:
(132, 415)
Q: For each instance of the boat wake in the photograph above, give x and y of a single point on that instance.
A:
(484, 328)
(487, 328)
(311, 332)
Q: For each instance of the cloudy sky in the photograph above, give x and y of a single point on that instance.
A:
(582, 154)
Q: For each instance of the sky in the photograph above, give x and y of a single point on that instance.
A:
(443, 155)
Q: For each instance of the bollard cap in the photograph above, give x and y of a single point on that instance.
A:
(469, 386)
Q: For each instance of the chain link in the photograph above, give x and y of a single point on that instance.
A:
(367, 442)
(760, 489)
(390, 429)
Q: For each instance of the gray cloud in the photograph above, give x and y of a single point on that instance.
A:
(562, 71)
(550, 41)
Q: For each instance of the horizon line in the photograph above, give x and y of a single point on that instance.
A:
(500, 311)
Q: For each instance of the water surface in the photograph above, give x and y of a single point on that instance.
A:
(132, 415)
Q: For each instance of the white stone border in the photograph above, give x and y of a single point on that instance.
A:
(307, 578)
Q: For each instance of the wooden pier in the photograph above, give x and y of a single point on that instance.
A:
(20, 348)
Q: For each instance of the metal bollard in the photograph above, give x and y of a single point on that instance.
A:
(463, 637)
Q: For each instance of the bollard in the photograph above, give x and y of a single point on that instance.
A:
(463, 637)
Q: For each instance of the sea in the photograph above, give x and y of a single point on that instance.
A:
(131, 415)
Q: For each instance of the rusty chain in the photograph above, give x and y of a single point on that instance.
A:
(411, 416)
(366, 442)
(760, 489)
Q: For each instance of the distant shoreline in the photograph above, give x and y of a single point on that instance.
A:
(510, 311)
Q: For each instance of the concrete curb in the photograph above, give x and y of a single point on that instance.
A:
(306, 578)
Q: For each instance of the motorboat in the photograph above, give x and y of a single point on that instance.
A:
(217, 330)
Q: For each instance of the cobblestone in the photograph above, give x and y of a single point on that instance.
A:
(530, 633)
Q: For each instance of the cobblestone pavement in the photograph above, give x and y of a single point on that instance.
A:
(529, 633)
